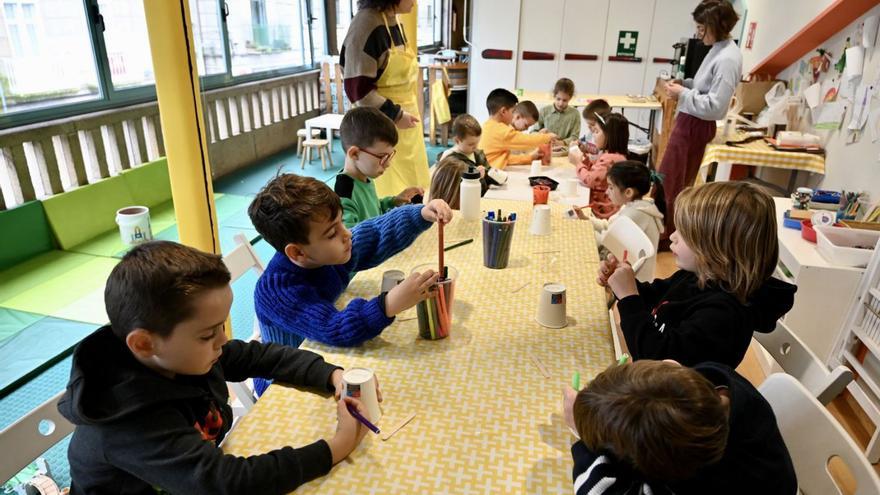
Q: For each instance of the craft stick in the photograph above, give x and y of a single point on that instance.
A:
(540, 366)
(523, 286)
(546, 252)
(390, 433)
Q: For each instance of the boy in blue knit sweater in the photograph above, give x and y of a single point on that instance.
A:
(316, 255)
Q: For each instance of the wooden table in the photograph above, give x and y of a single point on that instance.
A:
(759, 154)
(487, 420)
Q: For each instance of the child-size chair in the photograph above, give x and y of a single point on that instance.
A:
(799, 361)
(813, 437)
(30, 436)
(624, 235)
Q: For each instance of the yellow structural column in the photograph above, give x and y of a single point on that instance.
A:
(180, 110)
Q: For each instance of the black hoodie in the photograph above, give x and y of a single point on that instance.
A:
(754, 461)
(674, 318)
(138, 432)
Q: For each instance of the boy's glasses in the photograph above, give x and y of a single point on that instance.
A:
(383, 159)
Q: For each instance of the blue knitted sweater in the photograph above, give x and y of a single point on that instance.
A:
(295, 303)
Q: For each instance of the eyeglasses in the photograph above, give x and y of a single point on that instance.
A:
(383, 159)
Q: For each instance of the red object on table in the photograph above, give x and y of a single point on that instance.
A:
(547, 154)
(540, 194)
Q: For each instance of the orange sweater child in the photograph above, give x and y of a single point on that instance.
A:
(593, 174)
(499, 139)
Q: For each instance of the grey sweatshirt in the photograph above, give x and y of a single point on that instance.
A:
(709, 92)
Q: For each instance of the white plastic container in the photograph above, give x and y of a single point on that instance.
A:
(134, 225)
(469, 195)
(847, 247)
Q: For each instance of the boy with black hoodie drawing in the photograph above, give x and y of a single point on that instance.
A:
(148, 394)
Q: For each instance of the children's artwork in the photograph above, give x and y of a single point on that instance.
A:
(841, 64)
(830, 116)
(855, 62)
(820, 63)
(869, 31)
(829, 89)
(861, 107)
(847, 89)
(813, 95)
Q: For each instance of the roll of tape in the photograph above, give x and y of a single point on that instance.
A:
(825, 218)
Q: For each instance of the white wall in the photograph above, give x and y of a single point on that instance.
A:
(851, 167)
(778, 21)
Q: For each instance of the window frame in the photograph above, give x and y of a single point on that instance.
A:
(109, 97)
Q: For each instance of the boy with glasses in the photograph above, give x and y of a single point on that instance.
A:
(368, 137)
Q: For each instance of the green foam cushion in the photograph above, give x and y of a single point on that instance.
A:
(89, 211)
(149, 183)
(26, 234)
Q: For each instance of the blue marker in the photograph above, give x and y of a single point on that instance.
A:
(512, 217)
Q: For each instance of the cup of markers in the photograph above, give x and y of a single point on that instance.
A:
(435, 312)
(497, 238)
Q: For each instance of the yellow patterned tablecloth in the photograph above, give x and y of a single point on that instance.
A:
(760, 154)
(487, 420)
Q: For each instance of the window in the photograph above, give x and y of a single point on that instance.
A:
(431, 21)
(208, 36)
(45, 56)
(267, 34)
(127, 43)
(345, 11)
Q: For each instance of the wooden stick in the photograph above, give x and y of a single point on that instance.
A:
(540, 366)
(546, 252)
(523, 286)
(390, 433)
(440, 250)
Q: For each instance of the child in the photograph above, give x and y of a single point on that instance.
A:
(726, 250)
(628, 183)
(559, 118)
(586, 145)
(612, 138)
(525, 114)
(499, 138)
(466, 132)
(368, 137)
(446, 181)
(148, 394)
(657, 427)
(317, 256)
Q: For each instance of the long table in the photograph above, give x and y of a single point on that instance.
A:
(487, 419)
(518, 187)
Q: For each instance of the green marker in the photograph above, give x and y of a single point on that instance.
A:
(576, 381)
(623, 359)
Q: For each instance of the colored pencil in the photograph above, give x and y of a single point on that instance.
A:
(431, 313)
(576, 381)
(440, 249)
(366, 422)
(458, 244)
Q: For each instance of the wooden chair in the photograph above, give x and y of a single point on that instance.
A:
(814, 437)
(799, 361)
(302, 135)
(239, 261)
(334, 91)
(30, 436)
(323, 147)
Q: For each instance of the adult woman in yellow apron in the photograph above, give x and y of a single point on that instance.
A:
(379, 71)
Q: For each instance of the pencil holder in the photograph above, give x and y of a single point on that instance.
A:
(435, 312)
(497, 238)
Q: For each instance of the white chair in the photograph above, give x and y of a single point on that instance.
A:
(624, 235)
(813, 437)
(30, 436)
(239, 261)
(800, 362)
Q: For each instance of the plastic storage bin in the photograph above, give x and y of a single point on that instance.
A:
(843, 246)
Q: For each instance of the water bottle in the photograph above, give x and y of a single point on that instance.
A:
(469, 194)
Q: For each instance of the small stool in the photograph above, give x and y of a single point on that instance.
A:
(302, 134)
(323, 147)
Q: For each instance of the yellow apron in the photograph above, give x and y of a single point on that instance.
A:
(399, 83)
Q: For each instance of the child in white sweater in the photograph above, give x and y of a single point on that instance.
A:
(628, 182)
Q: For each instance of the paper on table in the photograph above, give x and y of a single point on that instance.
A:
(830, 115)
(855, 62)
(813, 95)
(869, 31)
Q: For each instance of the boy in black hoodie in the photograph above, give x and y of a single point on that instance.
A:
(148, 392)
(657, 427)
(726, 249)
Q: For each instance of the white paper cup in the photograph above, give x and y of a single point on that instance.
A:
(391, 278)
(500, 176)
(540, 220)
(569, 187)
(536, 168)
(551, 306)
(360, 383)
(134, 225)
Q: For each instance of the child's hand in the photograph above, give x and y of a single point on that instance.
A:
(537, 155)
(623, 281)
(482, 170)
(437, 211)
(349, 431)
(568, 396)
(406, 196)
(606, 268)
(338, 384)
(409, 292)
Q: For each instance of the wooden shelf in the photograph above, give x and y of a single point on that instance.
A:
(833, 19)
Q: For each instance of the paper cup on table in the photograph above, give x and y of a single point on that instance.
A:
(391, 278)
(569, 187)
(498, 175)
(360, 383)
(435, 312)
(134, 225)
(540, 220)
(497, 238)
(536, 168)
(551, 306)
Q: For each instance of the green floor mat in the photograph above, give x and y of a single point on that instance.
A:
(35, 271)
(249, 181)
(230, 204)
(38, 345)
(227, 236)
(65, 289)
(12, 322)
